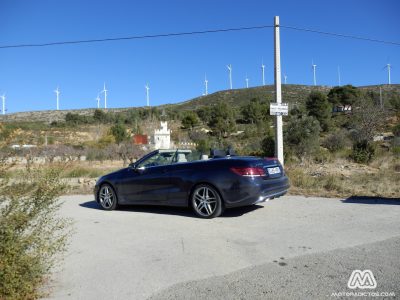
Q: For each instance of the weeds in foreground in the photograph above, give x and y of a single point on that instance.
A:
(32, 235)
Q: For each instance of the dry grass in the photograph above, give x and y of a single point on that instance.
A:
(344, 179)
(334, 178)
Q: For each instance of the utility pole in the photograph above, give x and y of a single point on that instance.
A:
(278, 93)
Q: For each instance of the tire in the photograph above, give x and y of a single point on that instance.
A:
(107, 197)
(206, 202)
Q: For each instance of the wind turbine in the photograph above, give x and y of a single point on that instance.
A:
(3, 98)
(314, 66)
(263, 72)
(105, 95)
(206, 84)
(388, 67)
(230, 75)
(285, 77)
(338, 73)
(147, 94)
(98, 101)
(57, 91)
(247, 82)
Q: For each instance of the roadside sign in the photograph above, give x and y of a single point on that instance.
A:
(279, 109)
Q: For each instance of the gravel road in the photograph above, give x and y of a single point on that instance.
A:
(291, 247)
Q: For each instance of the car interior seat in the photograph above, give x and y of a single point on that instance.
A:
(214, 153)
(181, 158)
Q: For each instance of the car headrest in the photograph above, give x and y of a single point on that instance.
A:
(215, 153)
(230, 152)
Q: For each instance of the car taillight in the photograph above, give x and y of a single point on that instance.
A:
(249, 171)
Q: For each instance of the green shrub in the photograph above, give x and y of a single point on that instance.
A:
(335, 141)
(119, 133)
(32, 235)
(190, 120)
(302, 136)
(203, 146)
(363, 152)
(268, 146)
(396, 130)
(318, 106)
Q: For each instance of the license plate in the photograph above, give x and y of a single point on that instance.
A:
(273, 171)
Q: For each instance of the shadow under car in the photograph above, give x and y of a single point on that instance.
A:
(173, 210)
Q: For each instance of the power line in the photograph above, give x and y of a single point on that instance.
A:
(135, 37)
(342, 35)
(196, 33)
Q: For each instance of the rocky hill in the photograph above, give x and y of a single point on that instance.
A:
(291, 93)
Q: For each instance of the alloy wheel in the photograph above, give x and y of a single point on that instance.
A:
(106, 197)
(205, 201)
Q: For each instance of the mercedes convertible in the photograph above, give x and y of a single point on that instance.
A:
(206, 183)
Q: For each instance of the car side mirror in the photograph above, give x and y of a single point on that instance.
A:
(139, 169)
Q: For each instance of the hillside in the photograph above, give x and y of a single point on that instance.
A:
(291, 93)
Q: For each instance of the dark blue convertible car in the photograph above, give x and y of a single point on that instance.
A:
(186, 178)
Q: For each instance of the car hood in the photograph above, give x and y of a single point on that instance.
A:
(111, 175)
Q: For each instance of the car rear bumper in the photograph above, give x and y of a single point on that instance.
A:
(255, 191)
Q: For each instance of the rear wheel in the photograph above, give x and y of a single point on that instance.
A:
(107, 197)
(206, 202)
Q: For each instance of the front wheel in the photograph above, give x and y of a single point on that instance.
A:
(206, 202)
(107, 197)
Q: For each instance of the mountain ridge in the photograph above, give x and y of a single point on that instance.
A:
(291, 93)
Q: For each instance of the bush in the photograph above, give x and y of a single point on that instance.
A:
(203, 146)
(255, 111)
(322, 156)
(76, 119)
(318, 106)
(31, 234)
(268, 146)
(343, 95)
(222, 121)
(363, 152)
(396, 130)
(119, 133)
(302, 136)
(190, 120)
(335, 142)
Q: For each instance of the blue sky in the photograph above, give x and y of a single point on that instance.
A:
(175, 67)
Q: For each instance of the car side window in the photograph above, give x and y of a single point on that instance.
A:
(183, 156)
(159, 159)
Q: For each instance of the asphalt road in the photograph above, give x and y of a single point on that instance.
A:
(291, 247)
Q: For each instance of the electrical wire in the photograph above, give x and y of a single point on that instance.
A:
(135, 37)
(197, 33)
(342, 35)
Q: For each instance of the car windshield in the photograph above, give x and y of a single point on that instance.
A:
(158, 159)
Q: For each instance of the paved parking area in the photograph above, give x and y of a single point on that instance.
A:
(142, 252)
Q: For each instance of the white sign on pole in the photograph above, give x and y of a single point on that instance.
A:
(279, 109)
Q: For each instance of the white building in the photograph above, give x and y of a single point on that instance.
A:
(162, 137)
